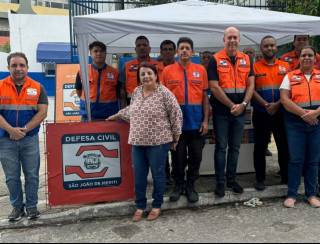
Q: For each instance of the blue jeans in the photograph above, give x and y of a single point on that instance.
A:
(304, 150)
(154, 157)
(228, 131)
(15, 155)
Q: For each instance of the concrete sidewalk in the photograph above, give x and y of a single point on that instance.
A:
(205, 186)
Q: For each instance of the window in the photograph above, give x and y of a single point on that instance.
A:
(49, 69)
(56, 5)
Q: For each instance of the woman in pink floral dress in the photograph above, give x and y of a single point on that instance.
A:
(155, 125)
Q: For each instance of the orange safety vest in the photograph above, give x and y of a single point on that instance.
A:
(268, 78)
(293, 60)
(131, 69)
(103, 92)
(305, 94)
(233, 78)
(106, 91)
(19, 109)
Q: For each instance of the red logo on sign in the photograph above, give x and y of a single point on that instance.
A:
(92, 161)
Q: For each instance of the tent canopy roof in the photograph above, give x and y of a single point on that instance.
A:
(204, 22)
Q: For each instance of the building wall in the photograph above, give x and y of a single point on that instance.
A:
(26, 31)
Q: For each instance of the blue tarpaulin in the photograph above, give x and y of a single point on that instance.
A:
(54, 52)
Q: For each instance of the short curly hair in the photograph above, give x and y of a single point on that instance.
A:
(17, 54)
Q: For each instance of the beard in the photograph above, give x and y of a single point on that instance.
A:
(269, 57)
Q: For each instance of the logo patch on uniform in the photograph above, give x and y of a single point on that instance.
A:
(282, 70)
(243, 62)
(196, 74)
(296, 78)
(223, 63)
(288, 59)
(133, 67)
(317, 77)
(32, 92)
(110, 76)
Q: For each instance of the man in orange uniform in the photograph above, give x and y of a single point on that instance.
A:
(167, 54)
(268, 112)
(23, 107)
(129, 74)
(205, 58)
(189, 83)
(292, 57)
(231, 79)
(104, 85)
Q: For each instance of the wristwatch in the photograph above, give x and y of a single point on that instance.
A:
(244, 103)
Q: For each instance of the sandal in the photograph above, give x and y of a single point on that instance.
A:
(289, 202)
(137, 216)
(154, 214)
(314, 202)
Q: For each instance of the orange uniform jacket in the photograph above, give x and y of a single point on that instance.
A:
(233, 78)
(268, 79)
(19, 109)
(103, 92)
(293, 60)
(305, 94)
(131, 69)
(188, 85)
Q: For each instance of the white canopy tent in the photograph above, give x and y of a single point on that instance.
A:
(204, 22)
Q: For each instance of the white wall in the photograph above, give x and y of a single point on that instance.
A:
(3, 61)
(26, 31)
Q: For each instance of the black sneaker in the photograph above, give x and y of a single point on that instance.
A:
(236, 188)
(220, 190)
(191, 194)
(16, 214)
(260, 186)
(33, 213)
(177, 192)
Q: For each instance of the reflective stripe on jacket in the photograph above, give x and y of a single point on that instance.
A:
(305, 94)
(103, 92)
(233, 78)
(188, 85)
(19, 109)
(268, 79)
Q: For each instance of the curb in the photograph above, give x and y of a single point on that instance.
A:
(128, 208)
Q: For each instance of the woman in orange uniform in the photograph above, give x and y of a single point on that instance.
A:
(300, 95)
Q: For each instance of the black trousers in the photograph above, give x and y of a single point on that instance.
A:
(188, 153)
(265, 124)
